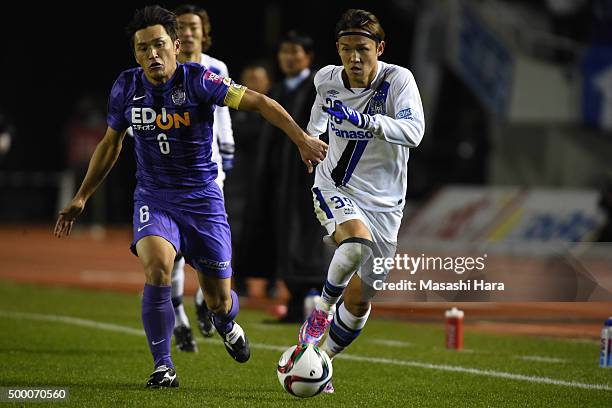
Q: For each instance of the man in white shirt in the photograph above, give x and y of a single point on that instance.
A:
(195, 36)
(373, 113)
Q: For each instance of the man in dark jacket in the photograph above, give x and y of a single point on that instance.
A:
(281, 242)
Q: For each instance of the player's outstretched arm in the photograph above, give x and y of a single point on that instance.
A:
(102, 160)
(312, 150)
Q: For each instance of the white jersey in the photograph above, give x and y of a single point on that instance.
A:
(369, 165)
(223, 134)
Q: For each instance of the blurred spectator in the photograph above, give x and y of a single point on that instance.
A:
(605, 203)
(280, 227)
(84, 129)
(247, 130)
(6, 136)
(256, 76)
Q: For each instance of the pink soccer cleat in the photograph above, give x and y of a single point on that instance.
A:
(314, 328)
(329, 388)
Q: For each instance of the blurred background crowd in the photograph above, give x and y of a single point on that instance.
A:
(517, 94)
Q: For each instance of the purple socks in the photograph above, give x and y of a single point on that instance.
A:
(224, 323)
(158, 321)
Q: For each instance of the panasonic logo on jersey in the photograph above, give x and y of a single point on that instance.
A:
(351, 134)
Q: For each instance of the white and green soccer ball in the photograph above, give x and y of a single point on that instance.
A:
(304, 370)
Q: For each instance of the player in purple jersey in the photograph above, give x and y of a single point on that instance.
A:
(177, 205)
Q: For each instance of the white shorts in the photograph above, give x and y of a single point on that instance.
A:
(333, 207)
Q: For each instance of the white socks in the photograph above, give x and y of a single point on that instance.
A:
(344, 329)
(348, 258)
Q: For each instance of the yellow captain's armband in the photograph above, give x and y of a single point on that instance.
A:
(234, 95)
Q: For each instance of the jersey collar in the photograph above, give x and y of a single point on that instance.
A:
(162, 87)
(345, 83)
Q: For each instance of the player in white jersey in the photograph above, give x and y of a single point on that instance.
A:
(194, 33)
(373, 113)
(223, 135)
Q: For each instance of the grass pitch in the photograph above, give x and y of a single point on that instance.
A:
(92, 344)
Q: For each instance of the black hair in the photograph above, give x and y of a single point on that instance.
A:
(200, 12)
(360, 19)
(303, 40)
(150, 16)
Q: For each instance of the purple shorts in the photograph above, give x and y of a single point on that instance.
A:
(194, 222)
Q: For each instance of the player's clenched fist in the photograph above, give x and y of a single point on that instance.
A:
(342, 112)
(312, 151)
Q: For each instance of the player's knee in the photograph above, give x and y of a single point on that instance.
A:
(357, 308)
(157, 272)
(356, 250)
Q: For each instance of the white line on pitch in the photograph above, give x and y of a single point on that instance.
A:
(351, 357)
(541, 359)
(77, 321)
(390, 343)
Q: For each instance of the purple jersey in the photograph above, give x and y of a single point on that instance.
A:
(172, 123)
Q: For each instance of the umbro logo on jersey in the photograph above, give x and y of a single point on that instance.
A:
(136, 98)
(332, 92)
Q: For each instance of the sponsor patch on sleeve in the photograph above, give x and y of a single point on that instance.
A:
(212, 77)
(405, 114)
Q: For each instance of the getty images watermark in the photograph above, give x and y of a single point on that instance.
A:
(457, 264)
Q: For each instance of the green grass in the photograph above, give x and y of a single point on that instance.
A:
(106, 367)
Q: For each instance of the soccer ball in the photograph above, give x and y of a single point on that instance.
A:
(304, 370)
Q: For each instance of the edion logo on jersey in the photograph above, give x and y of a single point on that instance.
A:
(164, 121)
(351, 134)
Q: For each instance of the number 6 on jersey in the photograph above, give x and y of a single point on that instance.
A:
(164, 145)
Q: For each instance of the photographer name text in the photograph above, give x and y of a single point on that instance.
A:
(429, 284)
